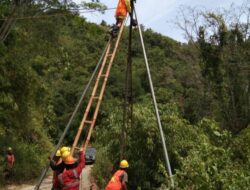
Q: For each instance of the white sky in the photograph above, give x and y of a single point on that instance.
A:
(159, 15)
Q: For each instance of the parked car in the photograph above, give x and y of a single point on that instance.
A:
(90, 156)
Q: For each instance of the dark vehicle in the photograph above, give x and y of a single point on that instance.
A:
(90, 156)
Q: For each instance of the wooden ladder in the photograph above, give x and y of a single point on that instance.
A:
(98, 92)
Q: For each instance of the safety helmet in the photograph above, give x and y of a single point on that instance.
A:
(124, 164)
(9, 149)
(64, 148)
(69, 160)
(58, 153)
(65, 154)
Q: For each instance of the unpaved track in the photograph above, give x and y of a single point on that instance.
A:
(85, 183)
(46, 185)
(47, 182)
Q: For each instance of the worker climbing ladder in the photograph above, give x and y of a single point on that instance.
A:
(90, 116)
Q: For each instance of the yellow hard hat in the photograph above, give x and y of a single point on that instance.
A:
(9, 149)
(124, 164)
(58, 153)
(65, 154)
(64, 148)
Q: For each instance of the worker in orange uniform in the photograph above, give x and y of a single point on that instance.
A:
(120, 178)
(10, 159)
(123, 7)
(70, 178)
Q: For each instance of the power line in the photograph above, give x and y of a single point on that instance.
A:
(57, 14)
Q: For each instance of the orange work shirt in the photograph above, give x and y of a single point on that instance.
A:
(123, 8)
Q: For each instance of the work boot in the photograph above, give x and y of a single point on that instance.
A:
(114, 31)
(114, 34)
(134, 22)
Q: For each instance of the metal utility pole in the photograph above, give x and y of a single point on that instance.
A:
(155, 104)
(128, 92)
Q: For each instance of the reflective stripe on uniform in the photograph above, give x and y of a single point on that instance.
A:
(75, 173)
(60, 177)
(72, 184)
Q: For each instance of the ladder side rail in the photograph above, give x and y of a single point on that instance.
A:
(103, 87)
(82, 125)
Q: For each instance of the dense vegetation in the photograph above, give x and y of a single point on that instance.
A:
(202, 89)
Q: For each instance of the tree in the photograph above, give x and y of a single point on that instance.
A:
(223, 47)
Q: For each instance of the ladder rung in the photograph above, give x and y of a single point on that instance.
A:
(103, 75)
(87, 121)
(109, 55)
(96, 97)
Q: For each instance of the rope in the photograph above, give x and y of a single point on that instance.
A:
(71, 119)
(155, 104)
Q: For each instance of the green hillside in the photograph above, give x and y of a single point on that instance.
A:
(202, 89)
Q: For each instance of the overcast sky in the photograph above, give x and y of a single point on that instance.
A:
(159, 15)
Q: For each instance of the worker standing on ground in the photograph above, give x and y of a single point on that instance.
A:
(70, 178)
(120, 178)
(10, 160)
(58, 166)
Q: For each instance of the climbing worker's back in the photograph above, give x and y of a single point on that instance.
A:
(122, 9)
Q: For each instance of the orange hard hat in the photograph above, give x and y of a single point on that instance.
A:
(69, 160)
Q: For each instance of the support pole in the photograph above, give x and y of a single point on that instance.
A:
(155, 104)
(128, 95)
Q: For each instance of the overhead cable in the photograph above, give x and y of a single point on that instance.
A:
(56, 14)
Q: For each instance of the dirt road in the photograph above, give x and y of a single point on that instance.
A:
(85, 183)
(47, 183)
